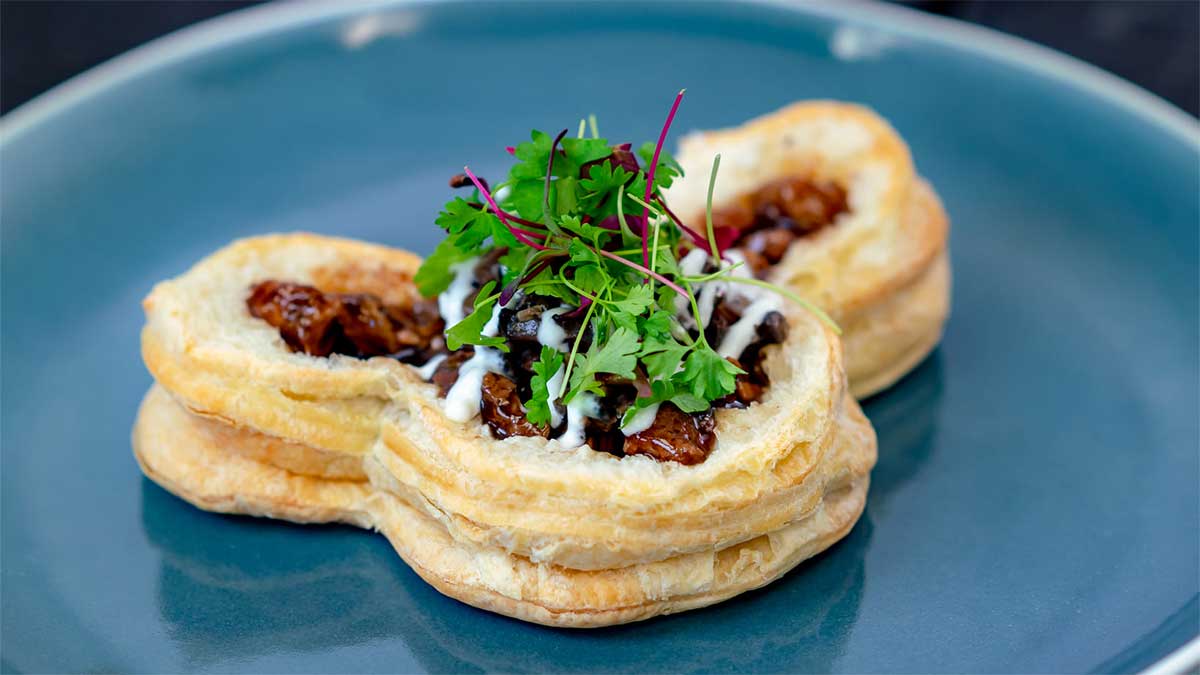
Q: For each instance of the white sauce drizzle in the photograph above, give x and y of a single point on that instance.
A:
(450, 301)
(641, 420)
(690, 265)
(426, 371)
(745, 330)
(552, 387)
(552, 335)
(743, 272)
(693, 263)
(708, 300)
(549, 332)
(583, 405)
(466, 396)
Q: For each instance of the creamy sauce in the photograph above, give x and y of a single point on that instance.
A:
(549, 332)
(743, 272)
(450, 301)
(690, 265)
(709, 292)
(745, 330)
(641, 420)
(426, 371)
(552, 387)
(552, 335)
(466, 396)
(708, 299)
(584, 405)
(693, 263)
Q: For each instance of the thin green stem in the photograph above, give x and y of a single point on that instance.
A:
(825, 318)
(654, 251)
(595, 129)
(562, 389)
(580, 291)
(626, 231)
(712, 180)
(696, 313)
(652, 209)
(713, 275)
(629, 263)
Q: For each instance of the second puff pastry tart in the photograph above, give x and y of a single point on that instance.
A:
(822, 197)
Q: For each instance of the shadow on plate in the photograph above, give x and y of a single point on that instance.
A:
(233, 588)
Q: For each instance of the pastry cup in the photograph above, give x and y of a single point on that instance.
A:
(524, 526)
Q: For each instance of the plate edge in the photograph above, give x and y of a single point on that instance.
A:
(252, 21)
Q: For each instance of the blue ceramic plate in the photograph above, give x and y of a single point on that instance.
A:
(1035, 503)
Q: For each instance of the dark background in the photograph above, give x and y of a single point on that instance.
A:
(1155, 44)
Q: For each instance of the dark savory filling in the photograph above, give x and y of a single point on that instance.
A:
(360, 325)
(355, 324)
(770, 218)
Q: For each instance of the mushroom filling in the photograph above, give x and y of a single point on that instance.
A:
(767, 220)
(362, 326)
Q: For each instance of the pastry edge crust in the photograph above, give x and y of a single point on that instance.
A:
(191, 466)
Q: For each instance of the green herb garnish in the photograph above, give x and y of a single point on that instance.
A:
(567, 215)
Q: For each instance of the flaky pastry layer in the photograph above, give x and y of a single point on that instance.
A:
(199, 460)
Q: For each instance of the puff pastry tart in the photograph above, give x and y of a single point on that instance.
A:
(543, 422)
(822, 197)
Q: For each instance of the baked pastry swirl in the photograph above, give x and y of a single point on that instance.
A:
(822, 197)
(239, 423)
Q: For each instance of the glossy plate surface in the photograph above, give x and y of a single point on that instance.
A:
(1035, 504)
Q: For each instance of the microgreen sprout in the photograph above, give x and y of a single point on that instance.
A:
(560, 227)
(500, 213)
(708, 226)
(662, 137)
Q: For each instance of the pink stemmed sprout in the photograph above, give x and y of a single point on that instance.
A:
(516, 232)
(643, 269)
(662, 138)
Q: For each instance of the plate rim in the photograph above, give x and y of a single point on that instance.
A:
(250, 22)
(247, 23)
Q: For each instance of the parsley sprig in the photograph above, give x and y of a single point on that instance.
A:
(586, 221)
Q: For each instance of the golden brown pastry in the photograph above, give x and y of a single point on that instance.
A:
(575, 411)
(822, 197)
(526, 526)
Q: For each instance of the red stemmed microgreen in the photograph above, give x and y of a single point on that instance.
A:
(644, 270)
(697, 238)
(662, 138)
(546, 215)
(500, 212)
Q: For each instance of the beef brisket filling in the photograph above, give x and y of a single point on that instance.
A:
(770, 218)
(355, 324)
(361, 325)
